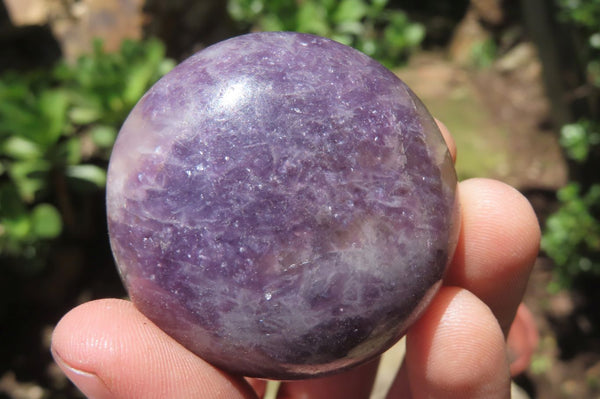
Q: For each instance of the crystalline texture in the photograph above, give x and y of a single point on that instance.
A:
(282, 205)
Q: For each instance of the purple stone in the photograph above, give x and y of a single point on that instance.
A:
(282, 205)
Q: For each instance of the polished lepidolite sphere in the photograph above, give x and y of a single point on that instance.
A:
(282, 205)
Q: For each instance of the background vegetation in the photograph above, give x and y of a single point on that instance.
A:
(385, 34)
(57, 127)
(572, 234)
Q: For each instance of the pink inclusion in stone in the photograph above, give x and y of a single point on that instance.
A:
(282, 205)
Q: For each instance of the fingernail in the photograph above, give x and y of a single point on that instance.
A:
(88, 383)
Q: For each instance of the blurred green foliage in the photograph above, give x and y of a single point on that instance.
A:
(572, 234)
(584, 13)
(579, 139)
(585, 16)
(57, 128)
(370, 26)
(484, 53)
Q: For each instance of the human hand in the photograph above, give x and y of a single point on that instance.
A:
(457, 349)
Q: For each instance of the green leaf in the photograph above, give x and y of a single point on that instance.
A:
(46, 221)
(595, 40)
(83, 115)
(379, 5)
(270, 22)
(368, 46)
(244, 10)
(14, 86)
(16, 118)
(415, 33)
(103, 136)
(88, 173)
(350, 28)
(139, 78)
(350, 11)
(568, 193)
(165, 66)
(53, 108)
(343, 38)
(141, 74)
(30, 177)
(311, 18)
(578, 139)
(329, 5)
(20, 148)
(14, 223)
(17, 228)
(484, 53)
(572, 234)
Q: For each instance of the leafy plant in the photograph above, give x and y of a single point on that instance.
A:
(579, 139)
(572, 235)
(585, 16)
(583, 12)
(383, 33)
(56, 130)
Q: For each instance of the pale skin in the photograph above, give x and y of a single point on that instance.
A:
(456, 350)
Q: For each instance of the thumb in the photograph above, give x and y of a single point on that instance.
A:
(110, 351)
